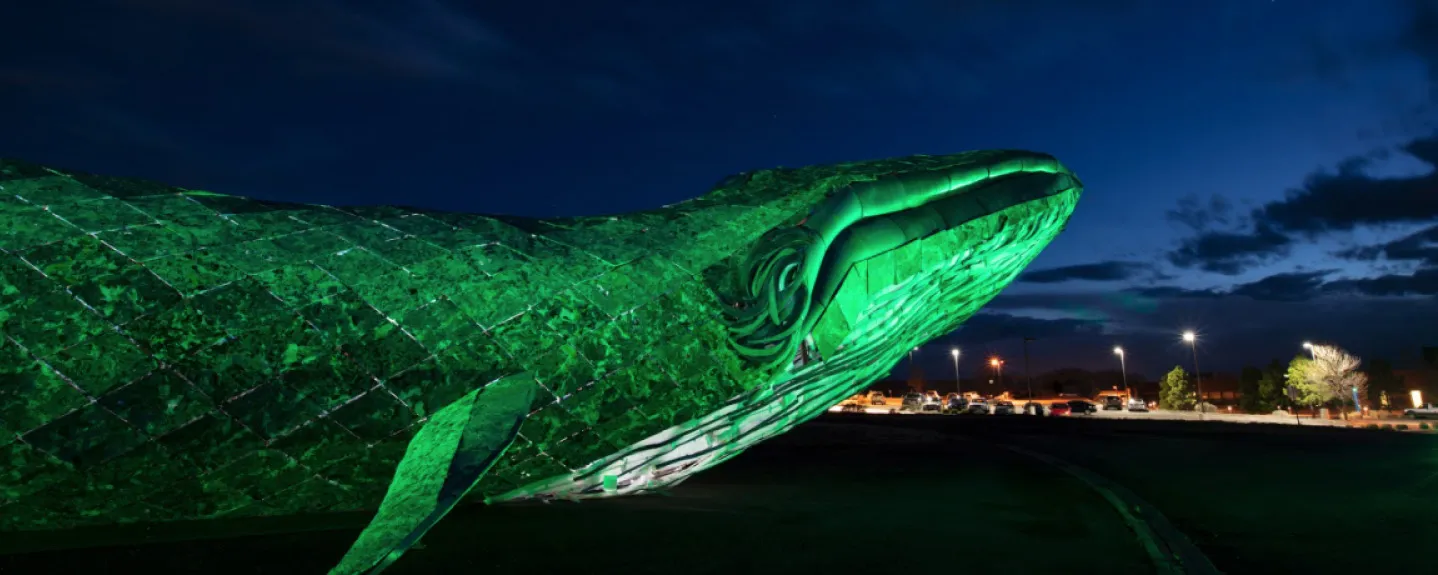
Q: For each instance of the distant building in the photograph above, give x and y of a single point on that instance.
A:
(1219, 388)
(916, 378)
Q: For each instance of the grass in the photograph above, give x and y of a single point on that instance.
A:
(1262, 498)
(845, 499)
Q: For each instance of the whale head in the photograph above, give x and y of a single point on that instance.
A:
(852, 263)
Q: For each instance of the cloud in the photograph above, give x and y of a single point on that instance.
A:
(1101, 271)
(1423, 282)
(1339, 201)
(1250, 323)
(1337, 51)
(1294, 286)
(1200, 216)
(1281, 287)
(1420, 246)
(1230, 253)
(1348, 198)
(993, 326)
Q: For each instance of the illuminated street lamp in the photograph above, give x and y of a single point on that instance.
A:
(1122, 366)
(998, 365)
(958, 384)
(1311, 354)
(1192, 340)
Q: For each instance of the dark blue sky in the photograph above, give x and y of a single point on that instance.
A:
(1261, 171)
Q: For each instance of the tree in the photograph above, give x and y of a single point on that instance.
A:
(1337, 376)
(1383, 383)
(1249, 399)
(1175, 391)
(1300, 378)
(1328, 378)
(1270, 386)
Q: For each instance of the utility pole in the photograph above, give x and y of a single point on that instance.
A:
(1027, 374)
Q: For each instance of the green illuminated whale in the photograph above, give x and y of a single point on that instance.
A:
(172, 354)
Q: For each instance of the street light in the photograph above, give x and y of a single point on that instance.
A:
(1122, 366)
(958, 384)
(998, 368)
(1311, 354)
(1192, 340)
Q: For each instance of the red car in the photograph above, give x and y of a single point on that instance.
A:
(1060, 409)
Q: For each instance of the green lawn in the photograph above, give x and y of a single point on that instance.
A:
(822, 499)
(1262, 499)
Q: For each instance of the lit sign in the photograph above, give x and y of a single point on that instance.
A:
(1417, 398)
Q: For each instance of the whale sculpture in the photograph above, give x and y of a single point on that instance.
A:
(172, 354)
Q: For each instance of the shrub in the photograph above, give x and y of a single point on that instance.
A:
(1206, 407)
(1388, 426)
(1401, 427)
(1424, 426)
(1371, 426)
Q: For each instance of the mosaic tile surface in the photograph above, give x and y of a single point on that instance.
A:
(180, 354)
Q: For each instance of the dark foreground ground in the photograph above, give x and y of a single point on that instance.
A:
(854, 494)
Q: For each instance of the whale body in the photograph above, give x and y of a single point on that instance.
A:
(174, 354)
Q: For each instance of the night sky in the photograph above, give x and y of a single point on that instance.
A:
(1262, 172)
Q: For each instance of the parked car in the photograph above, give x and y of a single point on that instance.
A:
(955, 403)
(932, 403)
(911, 402)
(1113, 403)
(1081, 407)
(1059, 408)
(1004, 408)
(1425, 412)
(852, 408)
(1136, 404)
(877, 398)
(980, 407)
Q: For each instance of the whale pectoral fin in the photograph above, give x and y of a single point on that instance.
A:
(443, 461)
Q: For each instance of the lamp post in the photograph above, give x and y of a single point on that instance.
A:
(1192, 340)
(913, 386)
(1122, 367)
(1028, 375)
(1311, 354)
(958, 383)
(998, 369)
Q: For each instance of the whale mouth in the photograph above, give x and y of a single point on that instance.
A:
(953, 274)
(876, 242)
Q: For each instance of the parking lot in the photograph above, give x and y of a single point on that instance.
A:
(893, 406)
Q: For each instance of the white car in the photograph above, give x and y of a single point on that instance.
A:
(1136, 404)
(1425, 412)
